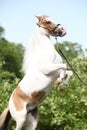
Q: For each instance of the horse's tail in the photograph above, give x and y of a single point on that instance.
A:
(4, 119)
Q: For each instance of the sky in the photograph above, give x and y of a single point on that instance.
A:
(19, 21)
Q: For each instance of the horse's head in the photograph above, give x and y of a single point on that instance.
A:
(50, 26)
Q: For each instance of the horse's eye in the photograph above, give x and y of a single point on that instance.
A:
(48, 22)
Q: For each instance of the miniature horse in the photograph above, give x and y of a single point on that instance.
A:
(42, 66)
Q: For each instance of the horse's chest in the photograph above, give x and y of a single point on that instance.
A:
(44, 52)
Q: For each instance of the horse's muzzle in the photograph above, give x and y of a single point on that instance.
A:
(61, 31)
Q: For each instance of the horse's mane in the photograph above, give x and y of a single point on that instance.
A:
(30, 50)
(27, 56)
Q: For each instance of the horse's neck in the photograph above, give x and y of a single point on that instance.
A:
(41, 31)
(40, 37)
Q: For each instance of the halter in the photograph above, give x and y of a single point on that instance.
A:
(50, 30)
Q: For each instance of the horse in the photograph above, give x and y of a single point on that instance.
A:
(42, 66)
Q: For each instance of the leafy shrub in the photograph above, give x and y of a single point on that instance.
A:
(61, 110)
(11, 57)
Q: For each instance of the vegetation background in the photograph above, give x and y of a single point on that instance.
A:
(61, 110)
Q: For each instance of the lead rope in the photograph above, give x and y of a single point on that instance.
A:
(62, 54)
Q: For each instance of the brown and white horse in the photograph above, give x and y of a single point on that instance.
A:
(42, 66)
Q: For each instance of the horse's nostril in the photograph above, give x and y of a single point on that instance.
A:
(59, 32)
(62, 28)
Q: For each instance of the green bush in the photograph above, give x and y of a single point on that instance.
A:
(11, 57)
(61, 110)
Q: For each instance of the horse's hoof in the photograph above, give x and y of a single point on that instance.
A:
(60, 88)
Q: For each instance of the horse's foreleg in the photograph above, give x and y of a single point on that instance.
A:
(51, 68)
(62, 73)
(63, 84)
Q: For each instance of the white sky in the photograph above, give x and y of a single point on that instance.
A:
(18, 18)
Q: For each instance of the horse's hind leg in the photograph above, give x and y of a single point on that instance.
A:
(63, 84)
(32, 119)
(20, 119)
(19, 124)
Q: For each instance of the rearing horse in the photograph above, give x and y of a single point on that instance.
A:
(42, 66)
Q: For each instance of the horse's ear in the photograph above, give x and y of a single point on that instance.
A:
(38, 17)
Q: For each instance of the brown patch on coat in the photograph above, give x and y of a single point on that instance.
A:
(45, 24)
(19, 98)
(38, 95)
